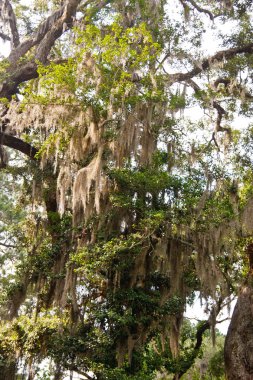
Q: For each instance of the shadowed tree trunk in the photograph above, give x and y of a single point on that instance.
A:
(239, 341)
(8, 372)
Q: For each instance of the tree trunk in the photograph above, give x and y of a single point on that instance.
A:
(239, 340)
(8, 372)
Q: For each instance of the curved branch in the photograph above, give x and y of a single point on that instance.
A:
(20, 75)
(199, 334)
(220, 111)
(207, 62)
(199, 9)
(205, 325)
(18, 144)
(201, 329)
(15, 77)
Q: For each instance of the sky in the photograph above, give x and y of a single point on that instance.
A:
(196, 313)
(4, 48)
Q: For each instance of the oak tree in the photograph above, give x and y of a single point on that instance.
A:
(134, 178)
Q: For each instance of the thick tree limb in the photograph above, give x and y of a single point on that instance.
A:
(56, 30)
(15, 76)
(208, 62)
(52, 25)
(18, 144)
(44, 38)
(46, 35)
(239, 339)
(50, 30)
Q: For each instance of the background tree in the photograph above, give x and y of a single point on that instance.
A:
(129, 206)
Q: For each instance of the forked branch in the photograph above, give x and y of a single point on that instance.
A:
(198, 8)
(220, 113)
(49, 31)
(43, 40)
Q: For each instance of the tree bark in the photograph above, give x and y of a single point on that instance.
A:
(8, 371)
(239, 340)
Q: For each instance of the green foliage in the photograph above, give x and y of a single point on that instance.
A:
(210, 363)
(117, 82)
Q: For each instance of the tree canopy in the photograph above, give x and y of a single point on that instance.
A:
(126, 178)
